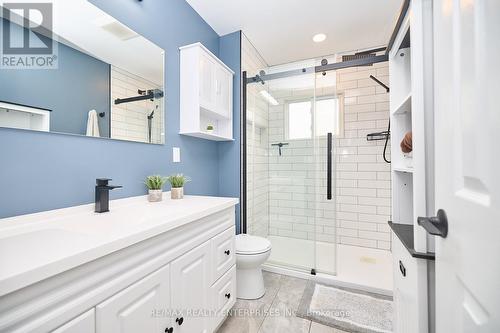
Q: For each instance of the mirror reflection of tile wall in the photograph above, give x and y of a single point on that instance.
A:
(130, 121)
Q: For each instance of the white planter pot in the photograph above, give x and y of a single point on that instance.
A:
(177, 192)
(210, 131)
(155, 195)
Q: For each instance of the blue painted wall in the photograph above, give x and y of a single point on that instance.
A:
(229, 152)
(41, 171)
(81, 83)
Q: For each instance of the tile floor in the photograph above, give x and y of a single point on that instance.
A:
(275, 312)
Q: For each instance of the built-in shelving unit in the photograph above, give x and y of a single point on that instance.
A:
(410, 112)
(206, 85)
(405, 105)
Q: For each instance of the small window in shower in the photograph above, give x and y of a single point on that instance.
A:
(299, 120)
(300, 117)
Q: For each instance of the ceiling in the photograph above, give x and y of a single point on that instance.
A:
(282, 30)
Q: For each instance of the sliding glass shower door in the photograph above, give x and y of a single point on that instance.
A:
(288, 121)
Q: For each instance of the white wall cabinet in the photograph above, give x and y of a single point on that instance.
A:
(180, 281)
(206, 94)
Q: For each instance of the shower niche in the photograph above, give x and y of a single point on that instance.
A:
(206, 105)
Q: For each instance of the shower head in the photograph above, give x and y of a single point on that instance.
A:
(380, 82)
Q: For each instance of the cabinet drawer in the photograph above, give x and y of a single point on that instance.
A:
(223, 252)
(224, 295)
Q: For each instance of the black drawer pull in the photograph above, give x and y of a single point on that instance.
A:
(179, 320)
(227, 252)
(402, 268)
(228, 296)
(169, 330)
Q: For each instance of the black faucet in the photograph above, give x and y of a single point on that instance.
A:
(102, 194)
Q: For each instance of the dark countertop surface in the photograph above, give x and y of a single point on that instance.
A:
(405, 235)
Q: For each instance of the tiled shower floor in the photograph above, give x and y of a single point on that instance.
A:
(275, 311)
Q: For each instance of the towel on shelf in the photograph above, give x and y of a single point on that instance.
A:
(92, 124)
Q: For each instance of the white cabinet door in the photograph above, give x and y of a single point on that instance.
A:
(84, 323)
(224, 88)
(139, 308)
(190, 276)
(207, 82)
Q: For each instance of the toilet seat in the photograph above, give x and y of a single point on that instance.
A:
(251, 245)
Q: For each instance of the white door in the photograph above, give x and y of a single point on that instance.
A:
(207, 81)
(223, 88)
(142, 307)
(191, 280)
(84, 323)
(467, 137)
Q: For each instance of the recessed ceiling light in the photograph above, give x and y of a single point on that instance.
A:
(318, 38)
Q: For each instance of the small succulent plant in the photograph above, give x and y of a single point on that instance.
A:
(178, 180)
(155, 182)
(210, 128)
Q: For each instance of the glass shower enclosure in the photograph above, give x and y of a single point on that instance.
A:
(291, 125)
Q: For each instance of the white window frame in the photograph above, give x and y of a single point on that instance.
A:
(341, 130)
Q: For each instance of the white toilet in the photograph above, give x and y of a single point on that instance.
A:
(251, 253)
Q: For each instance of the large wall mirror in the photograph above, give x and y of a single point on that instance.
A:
(69, 67)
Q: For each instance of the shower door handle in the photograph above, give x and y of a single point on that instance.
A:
(329, 166)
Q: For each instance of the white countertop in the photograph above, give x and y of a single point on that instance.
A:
(37, 246)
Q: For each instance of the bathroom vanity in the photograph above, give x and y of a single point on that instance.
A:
(142, 267)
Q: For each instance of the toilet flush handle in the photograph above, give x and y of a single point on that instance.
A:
(227, 252)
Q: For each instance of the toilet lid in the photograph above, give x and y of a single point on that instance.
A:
(247, 244)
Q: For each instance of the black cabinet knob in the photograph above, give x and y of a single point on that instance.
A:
(169, 330)
(227, 252)
(228, 295)
(179, 320)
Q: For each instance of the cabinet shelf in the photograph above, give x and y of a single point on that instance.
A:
(208, 136)
(404, 106)
(402, 169)
(405, 234)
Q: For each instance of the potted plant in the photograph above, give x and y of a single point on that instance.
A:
(155, 184)
(210, 129)
(177, 182)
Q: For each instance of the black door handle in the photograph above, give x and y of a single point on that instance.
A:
(179, 320)
(169, 330)
(228, 296)
(435, 225)
(402, 268)
(227, 252)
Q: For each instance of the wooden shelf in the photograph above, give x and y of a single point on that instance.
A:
(208, 136)
(405, 106)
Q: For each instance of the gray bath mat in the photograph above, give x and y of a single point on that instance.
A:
(347, 309)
